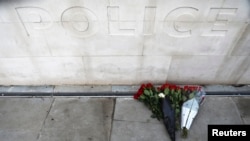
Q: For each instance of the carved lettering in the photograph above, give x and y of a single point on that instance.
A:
(79, 22)
(179, 22)
(118, 26)
(82, 22)
(34, 18)
(219, 17)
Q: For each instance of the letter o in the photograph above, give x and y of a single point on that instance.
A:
(79, 22)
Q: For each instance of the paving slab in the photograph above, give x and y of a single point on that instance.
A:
(132, 120)
(243, 104)
(21, 118)
(138, 131)
(78, 119)
(214, 110)
(18, 135)
(96, 119)
(128, 109)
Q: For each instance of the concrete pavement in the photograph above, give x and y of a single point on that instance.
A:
(107, 119)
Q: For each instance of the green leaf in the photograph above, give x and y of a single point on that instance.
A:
(191, 95)
(177, 111)
(150, 92)
(166, 91)
(179, 91)
(180, 97)
(146, 92)
(172, 92)
(176, 103)
(172, 105)
(184, 132)
(171, 98)
(142, 97)
(184, 98)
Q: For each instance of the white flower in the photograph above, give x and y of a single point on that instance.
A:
(161, 95)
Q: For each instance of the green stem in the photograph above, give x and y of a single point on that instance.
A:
(184, 132)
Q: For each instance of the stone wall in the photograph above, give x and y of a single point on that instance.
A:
(55, 42)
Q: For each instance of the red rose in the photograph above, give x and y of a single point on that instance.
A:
(136, 96)
(139, 92)
(164, 86)
(185, 88)
(178, 87)
(149, 86)
(173, 87)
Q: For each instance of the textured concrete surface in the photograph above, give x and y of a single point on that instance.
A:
(21, 119)
(78, 119)
(107, 119)
(214, 110)
(243, 104)
(132, 121)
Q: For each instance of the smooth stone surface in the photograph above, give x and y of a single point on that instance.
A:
(41, 70)
(102, 42)
(117, 69)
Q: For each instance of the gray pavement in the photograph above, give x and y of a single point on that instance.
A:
(107, 119)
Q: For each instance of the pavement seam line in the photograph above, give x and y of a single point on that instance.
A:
(121, 120)
(51, 105)
(112, 119)
(237, 110)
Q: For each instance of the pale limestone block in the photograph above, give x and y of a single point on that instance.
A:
(243, 45)
(56, 8)
(126, 69)
(185, 10)
(18, 71)
(7, 12)
(42, 70)
(17, 43)
(194, 69)
(125, 10)
(245, 77)
(112, 70)
(241, 7)
(185, 38)
(232, 69)
(154, 69)
(60, 70)
(66, 42)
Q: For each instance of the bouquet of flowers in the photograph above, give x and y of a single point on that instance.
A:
(166, 103)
